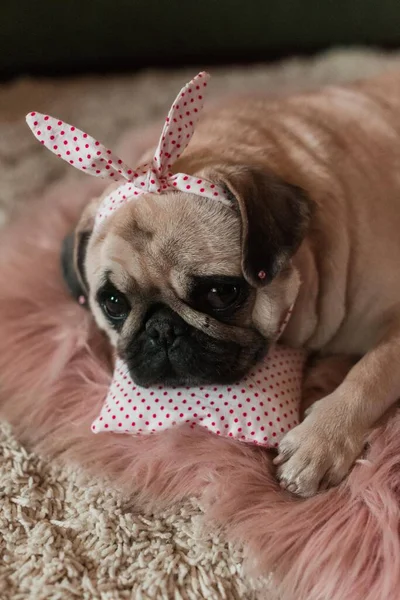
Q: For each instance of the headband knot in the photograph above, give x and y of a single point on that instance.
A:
(90, 156)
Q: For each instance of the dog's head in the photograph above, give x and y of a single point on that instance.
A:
(174, 279)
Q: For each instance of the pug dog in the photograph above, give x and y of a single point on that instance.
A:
(314, 182)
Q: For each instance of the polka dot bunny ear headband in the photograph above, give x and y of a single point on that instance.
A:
(90, 156)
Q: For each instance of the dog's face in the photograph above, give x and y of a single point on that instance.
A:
(173, 278)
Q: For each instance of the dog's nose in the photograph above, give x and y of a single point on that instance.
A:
(164, 326)
(163, 333)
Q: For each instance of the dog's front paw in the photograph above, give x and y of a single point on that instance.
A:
(316, 454)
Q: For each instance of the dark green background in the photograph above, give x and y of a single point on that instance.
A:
(78, 35)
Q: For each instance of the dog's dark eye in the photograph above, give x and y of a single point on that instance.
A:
(222, 296)
(115, 305)
(218, 295)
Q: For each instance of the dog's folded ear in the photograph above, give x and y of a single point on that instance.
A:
(275, 217)
(72, 263)
(73, 254)
(68, 267)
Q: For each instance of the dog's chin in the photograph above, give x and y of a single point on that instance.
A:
(191, 365)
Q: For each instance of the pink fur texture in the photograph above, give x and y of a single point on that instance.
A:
(54, 373)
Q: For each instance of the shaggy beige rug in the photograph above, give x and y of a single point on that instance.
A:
(63, 535)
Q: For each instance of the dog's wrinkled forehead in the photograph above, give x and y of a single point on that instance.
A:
(166, 239)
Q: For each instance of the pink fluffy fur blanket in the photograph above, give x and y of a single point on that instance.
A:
(54, 373)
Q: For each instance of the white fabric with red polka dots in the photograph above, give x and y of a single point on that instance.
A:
(90, 156)
(259, 409)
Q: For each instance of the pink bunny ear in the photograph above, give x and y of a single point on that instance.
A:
(87, 154)
(180, 124)
(77, 148)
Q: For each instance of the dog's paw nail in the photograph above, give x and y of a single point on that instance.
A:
(292, 488)
(278, 460)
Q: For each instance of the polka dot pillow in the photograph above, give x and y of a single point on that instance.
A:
(259, 409)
